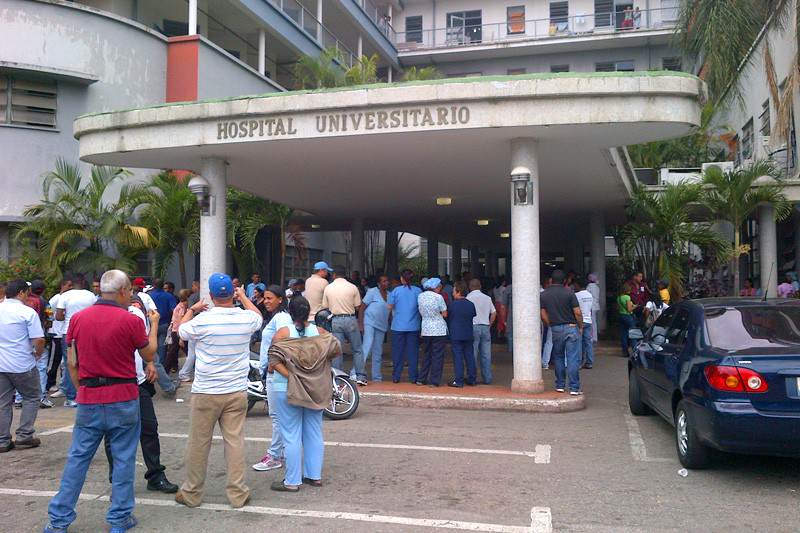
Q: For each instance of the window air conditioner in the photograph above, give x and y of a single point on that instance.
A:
(724, 166)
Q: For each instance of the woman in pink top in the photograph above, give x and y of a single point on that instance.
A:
(171, 361)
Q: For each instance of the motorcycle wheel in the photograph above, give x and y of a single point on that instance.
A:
(344, 401)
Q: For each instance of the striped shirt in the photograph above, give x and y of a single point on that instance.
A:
(221, 339)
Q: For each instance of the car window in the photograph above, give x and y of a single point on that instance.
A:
(676, 334)
(661, 325)
(741, 328)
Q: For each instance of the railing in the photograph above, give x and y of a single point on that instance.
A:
(315, 29)
(380, 20)
(550, 28)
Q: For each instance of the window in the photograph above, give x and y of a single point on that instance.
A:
(297, 267)
(671, 63)
(614, 66)
(414, 29)
(603, 13)
(176, 28)
(515, 19)
(559, 68)
(677, 332)
(606, 66)
(737, 147)
(464, 27)
(625, 66)
(747, 140)
(764, 117)
(338, 260)
(753, 327)
(516, 71)
(559, 15)
(465, 75)
(27, 102)
(662, 324)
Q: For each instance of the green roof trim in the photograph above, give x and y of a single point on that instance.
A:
(440, 81)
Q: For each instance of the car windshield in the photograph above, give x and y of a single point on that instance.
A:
(747, 327)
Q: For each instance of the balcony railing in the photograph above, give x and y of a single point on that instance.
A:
(380, 20)
(315, 29)
(511, 31)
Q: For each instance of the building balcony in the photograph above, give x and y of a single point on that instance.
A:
(522, 34)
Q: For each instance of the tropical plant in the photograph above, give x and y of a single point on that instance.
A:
(784, 102)
(319, 72)
(735, 195)
(425, 73)
(78, 226)
(171, 214)
(363, 72)
(660, 233)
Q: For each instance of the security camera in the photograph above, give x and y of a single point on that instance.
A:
(198, 186)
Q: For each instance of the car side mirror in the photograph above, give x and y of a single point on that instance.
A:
(635, 334)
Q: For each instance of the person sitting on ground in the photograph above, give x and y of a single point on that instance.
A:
(221, 336)
(459, 317)
(433, 310)
(300, 356)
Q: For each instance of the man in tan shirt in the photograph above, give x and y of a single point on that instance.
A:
(343, 300)
(315, 287)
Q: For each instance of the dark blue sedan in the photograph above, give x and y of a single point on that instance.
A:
(725, 372)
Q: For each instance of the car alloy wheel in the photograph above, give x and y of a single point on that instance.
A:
(692, 452)
(683, 435)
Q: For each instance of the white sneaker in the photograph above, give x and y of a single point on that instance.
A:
(361, 382)
(575, 393)
(559, 390)
(71, 404)
(53, 388)
(268, 463)
(57, 394)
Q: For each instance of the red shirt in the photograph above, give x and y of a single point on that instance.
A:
(105, 336)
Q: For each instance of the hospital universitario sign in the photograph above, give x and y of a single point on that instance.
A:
(354, 122)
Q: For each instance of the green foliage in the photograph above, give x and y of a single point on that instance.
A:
(78, 227)
(320, 72)
(363, 72)
(425, 73)
(24, 267)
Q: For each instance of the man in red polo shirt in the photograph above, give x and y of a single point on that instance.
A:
(102, 340)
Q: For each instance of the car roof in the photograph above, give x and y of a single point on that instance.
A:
(712, 303)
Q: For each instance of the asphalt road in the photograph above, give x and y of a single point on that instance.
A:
(400, 469)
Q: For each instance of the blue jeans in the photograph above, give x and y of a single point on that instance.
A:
(567, 353)
(547, 346)
(276, 443)
(304, 448)
(373, 348)
(345, 328)
(120, 424)
(587, 346)
(405, 347)
(463, 355)
(626, 322)
(482, 346)
(67, 387)
(163, 380)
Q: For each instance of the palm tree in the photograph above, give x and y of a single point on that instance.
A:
(661, 233)
(425, 73)
(319, 72)
(78, 226)
(363, 72)
(735, 195)
(171, 214)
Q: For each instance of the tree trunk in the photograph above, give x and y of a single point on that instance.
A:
(736, 243)
(182, 266)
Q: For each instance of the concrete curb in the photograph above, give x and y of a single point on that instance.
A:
(532, 404)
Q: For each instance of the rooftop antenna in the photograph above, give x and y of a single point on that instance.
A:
(766, 287)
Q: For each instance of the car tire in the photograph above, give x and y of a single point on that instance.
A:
(692, 453)
(635, 403)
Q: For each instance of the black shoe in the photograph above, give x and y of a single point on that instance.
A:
(472, 383)
(454, 384)
(395, 381)
(162, 485)
(31, 442)
(587, 367)
(7, 448)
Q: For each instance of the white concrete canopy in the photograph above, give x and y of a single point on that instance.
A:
(399, 147)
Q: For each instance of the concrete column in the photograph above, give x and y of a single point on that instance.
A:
(262, 52)
(357, 245)
(433, 255)
(455, 258)
(475, 261)
(360, 47)
(597, 228)
(319, 20)
(389, 74)
(525, 273)
(213, 238)
(193, 19)
(390, 249)
(767, 248)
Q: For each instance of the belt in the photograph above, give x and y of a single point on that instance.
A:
(350, 315)
(104, 382)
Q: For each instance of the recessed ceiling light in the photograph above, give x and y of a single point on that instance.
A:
(444, 200)
(483, 222)
(315, 226)
(505, 235)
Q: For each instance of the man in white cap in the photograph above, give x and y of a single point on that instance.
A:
(315, 287)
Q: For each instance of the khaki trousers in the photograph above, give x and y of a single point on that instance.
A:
(230, 411)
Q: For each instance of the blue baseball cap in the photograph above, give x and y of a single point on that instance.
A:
(322, 265)
(220, 285)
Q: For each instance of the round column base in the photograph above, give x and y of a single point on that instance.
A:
(527, 386)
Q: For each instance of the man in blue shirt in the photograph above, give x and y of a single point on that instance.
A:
(250, 290)
(375, 317)
(406, 323)
(165, 304)
(460, 315)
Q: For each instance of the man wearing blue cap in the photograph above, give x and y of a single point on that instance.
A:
(315, 287)
(221, 338)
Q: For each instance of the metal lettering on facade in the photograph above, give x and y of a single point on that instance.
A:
(359, 121)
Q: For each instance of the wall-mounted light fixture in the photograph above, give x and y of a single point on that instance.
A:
(199, 186)
(522, 189)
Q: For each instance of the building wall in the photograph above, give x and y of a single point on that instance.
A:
(216, 69)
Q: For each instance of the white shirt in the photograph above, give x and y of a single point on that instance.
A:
(594, 289)
(585, 302)
(57, 329)
(140, 375)
(19, 324)
(75, 300)
(147, 301)
(431, 306)
(221, 339)
(483, 308)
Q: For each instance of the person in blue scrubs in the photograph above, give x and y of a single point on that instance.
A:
(406, 323)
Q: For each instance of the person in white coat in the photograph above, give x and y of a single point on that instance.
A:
(594, 288)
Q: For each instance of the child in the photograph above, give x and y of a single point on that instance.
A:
(460, 316)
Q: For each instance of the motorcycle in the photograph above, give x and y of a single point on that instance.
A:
(344, 392)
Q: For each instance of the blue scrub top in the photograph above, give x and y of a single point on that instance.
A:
(405, 316)
(376, 314)
(459, 317)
